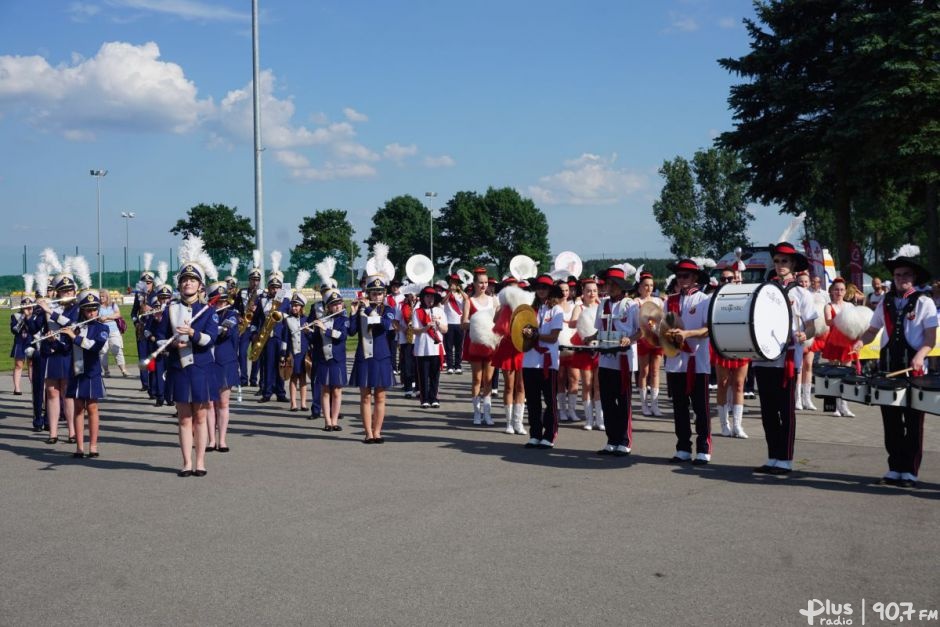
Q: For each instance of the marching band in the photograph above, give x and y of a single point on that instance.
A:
(549, 335)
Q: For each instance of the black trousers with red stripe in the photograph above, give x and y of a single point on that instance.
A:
(904, 438)
(618, 412)
(429, 377)
(777, 410)
(681, 401)
(541, 403)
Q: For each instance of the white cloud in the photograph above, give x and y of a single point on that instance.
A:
(682, 23)
(81, 11)
(354, 116)
(331, 171)
(354, 151)
(727, 22)
(123, 87)
(397, 152)
(186, 9)
(291, 159)
(588, 180)
(443, 161)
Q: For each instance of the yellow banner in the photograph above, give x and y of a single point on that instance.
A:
(871, 351)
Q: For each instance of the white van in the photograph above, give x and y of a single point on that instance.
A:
(758, 265)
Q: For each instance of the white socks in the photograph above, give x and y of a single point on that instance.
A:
(487, 410)
(737, 412)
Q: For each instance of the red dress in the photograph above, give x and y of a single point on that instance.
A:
(471, 350)
(583, 360)
(505, 357)
(838, 345)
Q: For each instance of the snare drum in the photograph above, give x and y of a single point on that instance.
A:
(889, 392)
(749, 320)
(827, 380)
(856, 388)
(925, 393)
(610, 337)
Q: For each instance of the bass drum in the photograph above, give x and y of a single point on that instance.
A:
(750, 320)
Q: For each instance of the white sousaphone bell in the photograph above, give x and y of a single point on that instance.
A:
(523, 267)
(569, 263)
(466, 278)
(419, 269)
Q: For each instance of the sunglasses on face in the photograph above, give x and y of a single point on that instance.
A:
(727, 279)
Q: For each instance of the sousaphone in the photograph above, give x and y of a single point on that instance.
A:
(419, 269)
(522, 267)
(570, 263)
(523, 317)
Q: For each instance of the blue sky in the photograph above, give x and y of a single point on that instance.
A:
(576, 105)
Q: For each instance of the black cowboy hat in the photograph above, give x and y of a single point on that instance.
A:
(800, 262)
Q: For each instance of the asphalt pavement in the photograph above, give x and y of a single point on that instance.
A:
(449, 523)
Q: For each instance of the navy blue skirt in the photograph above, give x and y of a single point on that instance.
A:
(331, 373)
(226, 375)
(372, 373)
(192, 384)
(297, 365)
(18, 350)
(59, 366)
(84, 387)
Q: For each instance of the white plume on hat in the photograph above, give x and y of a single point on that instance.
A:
(191, 250)
(790, 231)
(276, 261)
(628, 269)
(51, 260)
(638, 272)
(78, 266)
(301, 281)
(907, 250)
(256, 258)
(325, 271)
(42, 278)
(233, 266)
(162, 270)
(212, 273)
(704, 262)
(28, 280)
(148, 259)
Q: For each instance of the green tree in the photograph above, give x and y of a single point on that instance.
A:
(464, 231)
(839, 101)
(676, 209)
(225, 233)
(404, 224)
(327, 232)
(721, 200)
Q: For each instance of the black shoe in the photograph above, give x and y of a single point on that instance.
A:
(368, 441)
(51, 440)
(159, 402)
(17, 394)
(283, 399)
(258, 392)
(888, 481)
(264, 399)
(185, 473)
(764, 470)
(675, 459)
(293, 409)
(699, 462)
(71, 440)
(337, 427)
(253, 384)
(378, 440)
(144, 388)
(37, 429)
(778, 471)
(327, 427)
(95, 454)
(78, 454)
(209, 449)
(907, 483)
(604, 451)
(200, 473)
(223, 449)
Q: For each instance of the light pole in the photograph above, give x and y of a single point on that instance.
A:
(98, 174)
(128, 216)
(430, 196)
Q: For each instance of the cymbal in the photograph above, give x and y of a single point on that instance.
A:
(523, 317)
(670, 321)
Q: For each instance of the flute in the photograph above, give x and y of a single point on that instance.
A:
(146, 361)
(55, 333)
(327, 317)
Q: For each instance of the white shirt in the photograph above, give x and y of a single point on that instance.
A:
(623, 316)
(925, 317)
(803, 305)
(549, 319)
(454, 316)
(693, 310)
(424, 345)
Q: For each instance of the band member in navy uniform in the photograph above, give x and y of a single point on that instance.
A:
(293, 345)
(57, 351)
(271, 381)
(617, 319)
(141, 304)
(245, 302)
(22, 338)
(372, 368)
(540, 364)
(776, 380)
(191, 328)
(85, 383)
(687, 372)
(324, 269)
(909, 320)
(36, 323)
(156, 369)
(226, 366)
(328, 353)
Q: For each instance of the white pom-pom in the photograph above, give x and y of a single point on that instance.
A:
(908, 250)
(276, 260)
(302, 277)
(148, 259)
(585, 324)
(512, 296)
(49, 258)
(853, 321)
(481, 329)
(28, 281)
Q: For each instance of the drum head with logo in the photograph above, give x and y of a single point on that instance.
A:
(751, 320)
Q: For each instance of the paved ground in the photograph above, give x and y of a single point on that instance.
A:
(448, 523)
